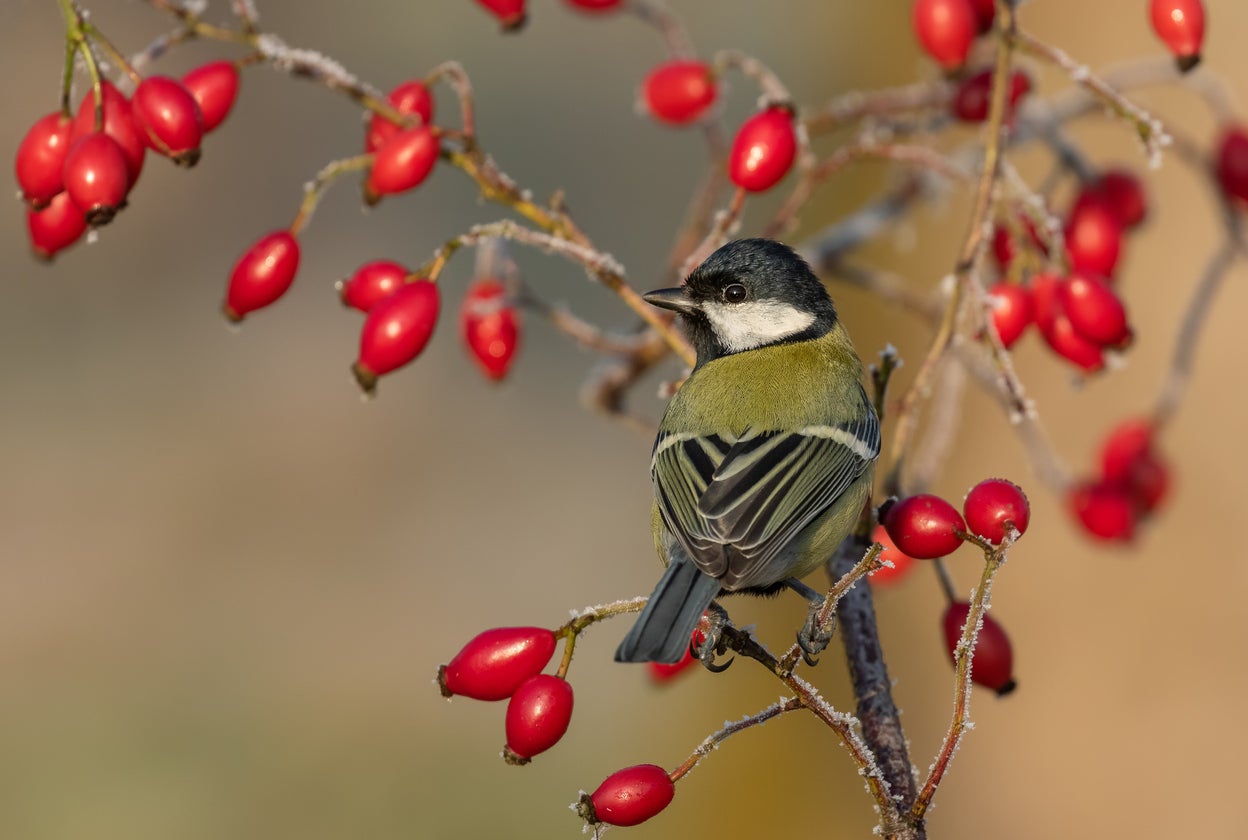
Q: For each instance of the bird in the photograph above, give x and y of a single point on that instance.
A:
(764, 457)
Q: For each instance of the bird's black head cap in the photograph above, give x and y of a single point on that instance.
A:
(750, 293)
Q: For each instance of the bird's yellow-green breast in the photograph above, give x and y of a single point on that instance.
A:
(781, 386)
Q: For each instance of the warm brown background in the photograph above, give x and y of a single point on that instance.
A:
(225, 583)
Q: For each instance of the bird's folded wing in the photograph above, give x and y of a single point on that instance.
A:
(735, 503)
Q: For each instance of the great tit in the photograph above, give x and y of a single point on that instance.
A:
(764, 457)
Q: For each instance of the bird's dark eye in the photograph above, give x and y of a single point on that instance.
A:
(735, 293)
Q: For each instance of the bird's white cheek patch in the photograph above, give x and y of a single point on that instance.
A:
(744, 326)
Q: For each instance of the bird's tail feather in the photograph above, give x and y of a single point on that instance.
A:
(663, 630)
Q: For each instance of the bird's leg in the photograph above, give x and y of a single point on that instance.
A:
(716, 618)
(813, 638)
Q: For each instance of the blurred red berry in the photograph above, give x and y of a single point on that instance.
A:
(168, 118)
(371, 283)
(96, 177)
(411, 97)
(974, 95)
(1004, 247)
(902, 562)
(1093, 236)
(945, 29)
(1045, 305)
(496, 662)
(396, 331)
(629, 796)
(1124, 193)
(992, 503)
(661, 672)
(992, 664)
(1064, 340)
(763, 150)
(1232, 162)
(985, 14)
(1129, 459)
(1127, 443)
(1105, 509)
(1180, 24)
(1011, 311)
(490, 327)
(55, 227)
(402, 163)
(510, 13)
(1095, 310)
(537, 717)
(40, 159)
(679, 92)
(595, 5)
(118, 124)
(924, 526)
(215, 88)
(262, 274)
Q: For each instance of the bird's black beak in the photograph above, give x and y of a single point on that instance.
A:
(676, 299)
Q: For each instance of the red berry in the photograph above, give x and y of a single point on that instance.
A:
(1130, 441)
(991, 504)
(96, 177)
(1095, 310)
(411, 97)
(262, 274)
(629, 796)
(1093, 236)
(985, 14)
(371, 283)
(510, 13)
(1180, 24)
(974, 95)
(118, 124)
(1062, 337)
(946, 29)
(1124, 193)
(40, 158)
(495, 663)
(661, 672)
(1149, 481)
(1129, 460)
(924, 526)
(679, 92)
(992, 664)
(1003, 245)
(1105, 509)
(490, 327)
(902, 562)
(1012, 311)
(764, 150)
(215, 88)
(403, 163)
(396, 330)
(1232, 163)
(1044, 302)
(168, 118)
(537, 716)
(55, 227)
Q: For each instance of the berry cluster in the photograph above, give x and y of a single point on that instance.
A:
(926, 527)
(506, 663)
(1132, 482)
(77, 172)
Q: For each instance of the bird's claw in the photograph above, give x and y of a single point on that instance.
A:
(711, 645)
(813, 638)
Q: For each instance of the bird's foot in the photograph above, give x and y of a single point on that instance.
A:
(712, 640)
(815, 634)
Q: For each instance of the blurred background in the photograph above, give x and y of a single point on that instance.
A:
(226, 582)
